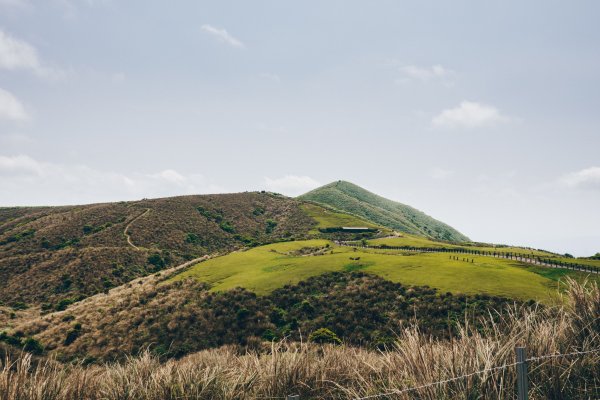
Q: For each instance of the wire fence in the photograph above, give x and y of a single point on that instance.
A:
(528, 360)
(526, 258)
(457, 378)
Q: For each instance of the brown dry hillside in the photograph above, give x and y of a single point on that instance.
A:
(177, 318)
(54, 254)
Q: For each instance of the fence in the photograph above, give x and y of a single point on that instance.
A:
(521, 364)
(526, 258)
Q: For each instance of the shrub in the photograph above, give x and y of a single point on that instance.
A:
(73, 334)
(33, 346)
(192, 238)
(63, 304)
(157, 260)
(227, 227)
(324, 335)
(270, 226)
(258, 211)
(19, 305)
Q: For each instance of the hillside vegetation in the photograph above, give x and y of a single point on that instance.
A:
(181, 317)
(406, 240)
(315, 371)
(56, 255)
(352, 199)
(266, 268)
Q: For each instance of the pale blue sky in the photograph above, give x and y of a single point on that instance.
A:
(482, 114)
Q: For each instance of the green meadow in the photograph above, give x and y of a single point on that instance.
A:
(327, 218)
(418, 241)
(266, 268)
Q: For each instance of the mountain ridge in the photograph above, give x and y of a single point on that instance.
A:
(351, 198)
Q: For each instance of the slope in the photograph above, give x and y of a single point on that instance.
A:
(267, 268)
(57, 255)
(350, 198)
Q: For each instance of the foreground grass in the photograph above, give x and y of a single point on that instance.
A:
(328, 372)
(264, 269)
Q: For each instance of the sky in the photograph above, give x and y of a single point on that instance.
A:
(484, 115)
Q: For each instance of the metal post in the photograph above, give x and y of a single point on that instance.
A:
(521, 373)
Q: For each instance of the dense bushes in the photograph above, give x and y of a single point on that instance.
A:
(182, 317)
(413, 362)
(366, 309)
(324, 335)
(28, 344)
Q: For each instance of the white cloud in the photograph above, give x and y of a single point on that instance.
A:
(170, 176)
(468, 115)
(425, 73)
(222, 35)
(11, 108)
(291, 185)
(270, 77)
(440, 173)
(588, 178)
(15, 140)
(435, 73)
(20, 165)
(13, 3)
(23, 178)
(17, 54)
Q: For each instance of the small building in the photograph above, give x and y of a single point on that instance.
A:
(356, 229)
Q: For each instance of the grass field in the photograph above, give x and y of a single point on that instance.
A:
(266, 268)
(417, 241)
(331, 219)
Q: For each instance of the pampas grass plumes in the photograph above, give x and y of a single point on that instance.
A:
(341, 372)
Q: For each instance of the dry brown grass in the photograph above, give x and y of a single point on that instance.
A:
(41, 248)
(349, 373)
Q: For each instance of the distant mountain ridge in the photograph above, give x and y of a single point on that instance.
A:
(350, 198)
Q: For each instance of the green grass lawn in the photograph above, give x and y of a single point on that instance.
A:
(266, 268)
(331, 219)
(418, 241)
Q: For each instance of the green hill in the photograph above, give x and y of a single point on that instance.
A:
(266, 268)
(350, 198)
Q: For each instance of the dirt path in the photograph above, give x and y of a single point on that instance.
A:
(126, 230)
(31, 315)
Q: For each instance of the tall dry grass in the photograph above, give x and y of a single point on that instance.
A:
(347, 373)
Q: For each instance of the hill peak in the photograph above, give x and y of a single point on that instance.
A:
(351, 198)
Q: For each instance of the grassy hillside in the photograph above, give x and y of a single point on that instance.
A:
(349, 198)
(54, 254)
(328, 218)
(264, 269)
(419, 241)
(182, 317)
(316, 371)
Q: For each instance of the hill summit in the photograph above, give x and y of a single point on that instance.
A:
(350, 198)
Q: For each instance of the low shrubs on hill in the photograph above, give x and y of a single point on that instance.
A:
(182, 317)
(314, 371)
(38, 246)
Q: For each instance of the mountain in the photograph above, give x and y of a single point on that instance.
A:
(101, 282)
(58, 255)
(350, 198)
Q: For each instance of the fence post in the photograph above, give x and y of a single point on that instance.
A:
(521, 373)
(293, 397)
